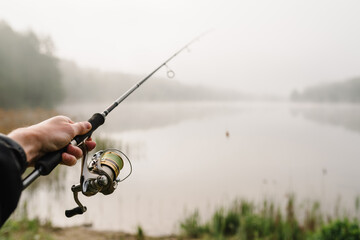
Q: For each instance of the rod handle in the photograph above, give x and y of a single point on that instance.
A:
(96, 121)
(75, 211)
(49, 161)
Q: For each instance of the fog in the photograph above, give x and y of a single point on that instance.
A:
(259, 47)
(263, 108)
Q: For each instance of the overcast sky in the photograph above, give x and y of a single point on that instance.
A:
(256, 46)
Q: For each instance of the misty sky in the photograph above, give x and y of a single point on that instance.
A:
(261, 47)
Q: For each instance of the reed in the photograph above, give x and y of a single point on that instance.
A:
(243, 221)
(12, 119)
(25, 229)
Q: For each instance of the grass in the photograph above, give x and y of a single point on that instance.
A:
(140, 235)
(243, 220)
(25, 229)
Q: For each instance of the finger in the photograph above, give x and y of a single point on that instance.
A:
(81, 128)
(68, 159)
(75, 151)
(90, 144)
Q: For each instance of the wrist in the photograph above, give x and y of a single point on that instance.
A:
(28, 140)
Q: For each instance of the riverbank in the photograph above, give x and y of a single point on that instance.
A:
(84, 233)
(338, 229)
(26, 229)
(242, 220)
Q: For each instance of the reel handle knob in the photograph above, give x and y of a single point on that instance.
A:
(75, 211)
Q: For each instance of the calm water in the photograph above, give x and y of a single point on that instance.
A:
(184, 160)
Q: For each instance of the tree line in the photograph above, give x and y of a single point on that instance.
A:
(32, 77)
(97, 86)
(344, 91)
(29, 75)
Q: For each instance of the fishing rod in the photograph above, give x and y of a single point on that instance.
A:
(101, 174)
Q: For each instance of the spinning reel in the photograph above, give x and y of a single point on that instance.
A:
(98, 174)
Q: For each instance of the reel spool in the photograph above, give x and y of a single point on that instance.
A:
(100, 174)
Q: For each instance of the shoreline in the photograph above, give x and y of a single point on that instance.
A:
(86, 233)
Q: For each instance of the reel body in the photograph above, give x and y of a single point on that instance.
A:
(99, 174)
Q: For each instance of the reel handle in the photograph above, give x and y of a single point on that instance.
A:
(75, 211)
(49, 161)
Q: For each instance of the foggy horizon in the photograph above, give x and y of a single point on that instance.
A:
(269, 48)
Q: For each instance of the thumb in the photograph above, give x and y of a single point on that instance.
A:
(81, 128)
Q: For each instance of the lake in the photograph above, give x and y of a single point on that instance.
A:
(202, 155)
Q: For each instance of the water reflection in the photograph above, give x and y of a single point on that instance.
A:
(339, 115)
(144, 116)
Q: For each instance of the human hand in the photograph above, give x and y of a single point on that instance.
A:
(52, 135)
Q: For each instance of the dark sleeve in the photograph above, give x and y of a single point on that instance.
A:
(12, 165)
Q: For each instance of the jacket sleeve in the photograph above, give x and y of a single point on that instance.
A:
(12, 165)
